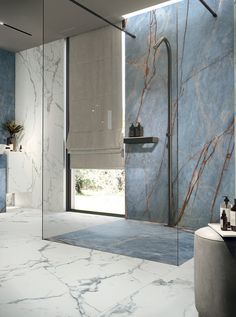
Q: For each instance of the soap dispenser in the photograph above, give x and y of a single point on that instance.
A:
(132, 130)
(226, 206)
(137, 129)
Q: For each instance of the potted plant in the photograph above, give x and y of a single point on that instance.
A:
(13, 129)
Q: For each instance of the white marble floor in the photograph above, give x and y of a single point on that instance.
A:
(41, 278)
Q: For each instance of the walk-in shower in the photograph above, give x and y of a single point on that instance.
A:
(171, 186)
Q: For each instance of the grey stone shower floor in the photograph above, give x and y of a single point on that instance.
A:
(145, 240)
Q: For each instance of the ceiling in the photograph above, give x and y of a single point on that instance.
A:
(61, 19)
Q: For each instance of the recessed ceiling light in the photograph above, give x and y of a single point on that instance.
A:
(157, 6)
(14, 28)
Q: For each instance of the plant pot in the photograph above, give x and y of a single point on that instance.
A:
(12, 140)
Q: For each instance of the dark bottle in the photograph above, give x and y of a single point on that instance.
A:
(137, 130)
(223, 221)
(227, 206)
(132, 130)
(140, 130)
(226, 200)
(233, 216)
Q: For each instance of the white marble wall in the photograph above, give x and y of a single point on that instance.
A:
(18, 164)
(29, 113)
(54, 138)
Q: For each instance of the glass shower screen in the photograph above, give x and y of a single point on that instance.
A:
(80, 79)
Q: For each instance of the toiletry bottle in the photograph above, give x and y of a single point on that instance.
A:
(132, 130)
(226, 206)
(233, 216)
(140, 130)
(223, 221)
(228, 213)
(137, 129)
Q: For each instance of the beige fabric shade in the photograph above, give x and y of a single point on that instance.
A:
(95, 100)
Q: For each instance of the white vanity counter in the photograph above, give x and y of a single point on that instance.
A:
(19, 172)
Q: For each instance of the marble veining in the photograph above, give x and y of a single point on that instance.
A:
(29, 111)
(146, 75)
(60, 280)
(19, 172)
(203, 112)
(53, 138)
(137, 239)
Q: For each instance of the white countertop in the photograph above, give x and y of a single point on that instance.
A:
(224, 234)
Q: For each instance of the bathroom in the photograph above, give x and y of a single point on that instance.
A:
(173, 193)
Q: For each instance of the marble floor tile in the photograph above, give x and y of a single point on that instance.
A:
(170, 296)
(43, 278)
(139, 239)
(56, 223)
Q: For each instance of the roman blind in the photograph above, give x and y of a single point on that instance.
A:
(95, 100)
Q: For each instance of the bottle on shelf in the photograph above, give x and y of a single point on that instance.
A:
(223, 221)
(226, 205)
(233, 216)
(132, 130)
(137, 129)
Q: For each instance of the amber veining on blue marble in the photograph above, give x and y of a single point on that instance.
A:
(203, 112)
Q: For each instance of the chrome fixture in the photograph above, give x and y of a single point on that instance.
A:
(171, 220)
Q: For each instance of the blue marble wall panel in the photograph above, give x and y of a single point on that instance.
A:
(206, 111)
(2, 183)
(7, 90)
(146, 101)
(203, 112)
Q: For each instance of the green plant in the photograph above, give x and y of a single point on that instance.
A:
(78, 184)
(83, 183)
(12, 127)
(120, 184)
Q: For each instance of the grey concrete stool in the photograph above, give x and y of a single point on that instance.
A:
(214, 274)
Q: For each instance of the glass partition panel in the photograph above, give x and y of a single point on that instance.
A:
(53, 138)
(97, 83)
(59, 185)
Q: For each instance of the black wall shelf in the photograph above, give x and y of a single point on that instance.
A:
(141, 139)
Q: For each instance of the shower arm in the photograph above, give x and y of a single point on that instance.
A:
(169, 128)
